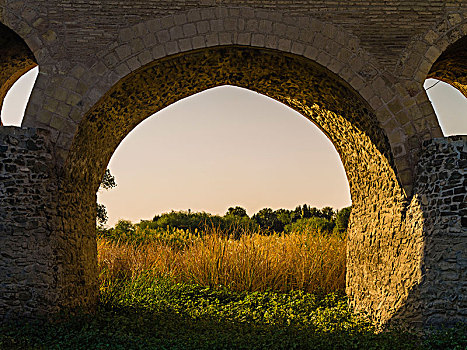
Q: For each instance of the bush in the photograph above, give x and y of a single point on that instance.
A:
(311, 225)
(342, 219)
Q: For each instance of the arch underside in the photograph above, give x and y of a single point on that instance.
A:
(321, 96)
(15, 59)
(451, 66)
(301, 84)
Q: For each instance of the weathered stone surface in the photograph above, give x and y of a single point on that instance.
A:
(374, 46)
(442, 191)
(27, 207)
(410, 263)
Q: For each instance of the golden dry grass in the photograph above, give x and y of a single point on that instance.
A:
(312, 263)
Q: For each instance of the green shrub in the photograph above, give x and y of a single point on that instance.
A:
(342, 219)
(311, 225)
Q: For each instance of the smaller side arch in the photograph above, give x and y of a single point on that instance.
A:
(451, 66)
(424, 50)
(33, 29)
(414, 67)
(15, 59)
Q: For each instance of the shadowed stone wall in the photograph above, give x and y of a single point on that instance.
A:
(424, 242)
(442, 192)
(47, 264)
(28, 281)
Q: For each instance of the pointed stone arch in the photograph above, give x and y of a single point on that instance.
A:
(318, 94)
(433, 54)
(451, 66)
(329, 45)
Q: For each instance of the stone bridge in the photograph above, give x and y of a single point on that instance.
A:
(354, 68)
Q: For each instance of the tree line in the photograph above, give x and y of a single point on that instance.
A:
(267, 220)
(235, 221)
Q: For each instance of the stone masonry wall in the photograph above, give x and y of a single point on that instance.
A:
(442, 189)
(27, 188)
(383, 49)
(407, 262)
(383, 26)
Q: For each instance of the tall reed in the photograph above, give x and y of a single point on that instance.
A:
(309, 262)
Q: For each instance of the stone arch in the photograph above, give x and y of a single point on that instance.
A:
(451, 66)
(433, 55)
(327, 44)
(403, 256)
(15, 59)
(31, 28)
(320, 95)
(427, 50)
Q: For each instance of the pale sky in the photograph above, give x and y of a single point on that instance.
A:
(229, 146)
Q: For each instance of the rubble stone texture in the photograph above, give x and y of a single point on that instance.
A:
(356, 69)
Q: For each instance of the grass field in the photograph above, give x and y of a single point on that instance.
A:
(210, 292)
(255, 262)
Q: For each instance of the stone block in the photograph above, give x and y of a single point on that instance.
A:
(202, 27)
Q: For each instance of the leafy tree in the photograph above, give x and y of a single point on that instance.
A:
(237, 211)
(101, 216)
(108, 182)
(328, 213)
(342, 219)
(124, 227)
(315, 213)
(267, 219)
(186, 220)
(285, 216)
(124, 230)
(305, 211)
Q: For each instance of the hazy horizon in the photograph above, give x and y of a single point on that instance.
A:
(229, 146)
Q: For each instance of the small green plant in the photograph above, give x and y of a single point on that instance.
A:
(108, 182)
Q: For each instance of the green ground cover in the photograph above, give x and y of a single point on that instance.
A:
(149, 313)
